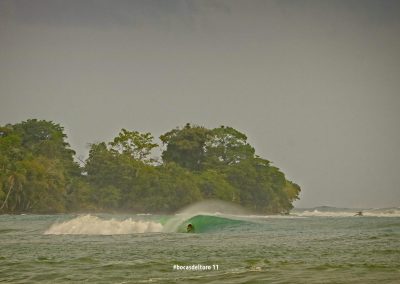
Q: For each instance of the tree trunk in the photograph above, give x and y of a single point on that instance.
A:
(9, 191)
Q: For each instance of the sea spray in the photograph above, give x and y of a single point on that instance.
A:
(275, 249)
(208, 207)
(346, 212)
(92, 225)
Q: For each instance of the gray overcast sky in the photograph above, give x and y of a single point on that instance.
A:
(314, 84)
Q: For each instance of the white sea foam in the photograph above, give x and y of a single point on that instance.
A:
(390, 212)
(317, 213)
(92, 225)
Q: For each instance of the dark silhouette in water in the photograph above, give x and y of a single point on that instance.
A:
(359, 213)
(190, 228)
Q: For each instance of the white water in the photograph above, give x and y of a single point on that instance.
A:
(389, 212)
(92, 225)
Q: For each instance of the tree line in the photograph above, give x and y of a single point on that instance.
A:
(38, 173)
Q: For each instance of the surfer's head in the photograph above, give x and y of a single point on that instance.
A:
(189, 228)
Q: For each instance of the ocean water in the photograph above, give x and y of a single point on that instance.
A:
(309, 246)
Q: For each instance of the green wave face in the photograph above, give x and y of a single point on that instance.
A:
(209, 223)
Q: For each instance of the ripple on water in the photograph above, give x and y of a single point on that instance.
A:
(309, 250)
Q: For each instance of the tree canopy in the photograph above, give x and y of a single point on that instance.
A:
(38, 172)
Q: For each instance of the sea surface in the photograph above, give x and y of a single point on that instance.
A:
(323, 245)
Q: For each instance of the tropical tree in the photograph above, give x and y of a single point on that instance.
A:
(13, 179)
(135, 144)
(227, 146)
(186, 146)
(214, 185)
(36, 165)
(38, 172)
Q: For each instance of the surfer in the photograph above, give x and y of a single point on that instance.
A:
(359, 213)
(190, 228)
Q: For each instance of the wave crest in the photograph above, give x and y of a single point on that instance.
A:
(349, 213)
(92, 225)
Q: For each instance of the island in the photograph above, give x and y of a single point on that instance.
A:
(39, 172)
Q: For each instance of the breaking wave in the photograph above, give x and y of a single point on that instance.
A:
(336, 212)
(92, 225)
(216, 208)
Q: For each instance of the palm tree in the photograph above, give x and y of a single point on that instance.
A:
(15, 180)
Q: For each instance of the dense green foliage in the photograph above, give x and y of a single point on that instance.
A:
(37, 167)
(38, 172)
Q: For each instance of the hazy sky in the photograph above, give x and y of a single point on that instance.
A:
(314, 84)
